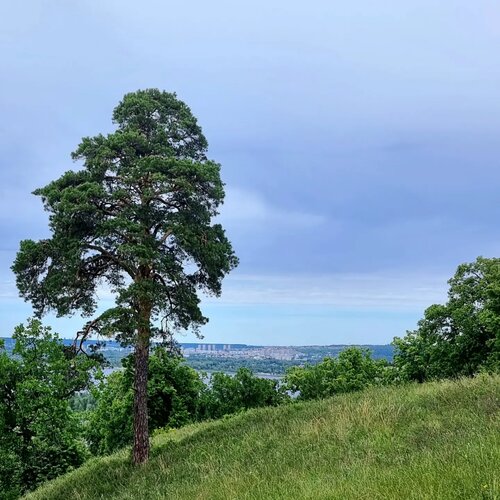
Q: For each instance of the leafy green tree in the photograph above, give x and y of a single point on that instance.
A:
(353, 370)
(11, 466)
(460, 337)
(173, 394)
(226, 394)
(137, 218)
(82, 402)
(40, 437)
(109, 425)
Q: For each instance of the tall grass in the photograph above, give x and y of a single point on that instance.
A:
(432, 441)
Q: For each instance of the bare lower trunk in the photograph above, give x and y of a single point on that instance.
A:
(141, 430)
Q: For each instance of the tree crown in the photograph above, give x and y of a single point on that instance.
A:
(136, 219)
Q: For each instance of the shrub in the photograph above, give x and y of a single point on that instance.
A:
(353, 370)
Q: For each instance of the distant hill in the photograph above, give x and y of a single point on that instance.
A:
(431, 441)
(113, 344)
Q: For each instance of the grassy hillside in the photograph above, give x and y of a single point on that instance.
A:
(435, 441)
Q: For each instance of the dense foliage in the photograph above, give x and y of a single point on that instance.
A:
(226, 394)
(353, 370)
(460, 337)
(177, 396)
(40, 437)
(173, 392)
(138, 218)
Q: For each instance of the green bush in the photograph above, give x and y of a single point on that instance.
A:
(353, 370)
(173, 394)
(226, 394)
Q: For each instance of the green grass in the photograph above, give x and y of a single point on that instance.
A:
(432, 441)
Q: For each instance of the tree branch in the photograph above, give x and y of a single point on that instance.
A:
(130, 271)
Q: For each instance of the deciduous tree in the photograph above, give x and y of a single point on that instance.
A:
(460, 337)
(40, 437)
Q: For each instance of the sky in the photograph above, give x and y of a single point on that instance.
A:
(359, 143)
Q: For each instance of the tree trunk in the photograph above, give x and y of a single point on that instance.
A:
(141, 428)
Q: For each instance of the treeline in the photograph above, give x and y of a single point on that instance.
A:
(215, 364)
(57, 409)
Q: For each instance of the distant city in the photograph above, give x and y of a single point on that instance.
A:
(283, 353)
(241, 351)
(210, 357)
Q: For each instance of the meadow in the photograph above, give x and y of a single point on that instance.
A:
(415, 441)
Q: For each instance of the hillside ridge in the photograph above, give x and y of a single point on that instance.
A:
(434, 440)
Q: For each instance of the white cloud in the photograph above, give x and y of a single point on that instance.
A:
(246, 207)
(349, 291)
(388, 292)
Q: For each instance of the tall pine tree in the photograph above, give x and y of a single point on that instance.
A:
(138, 219)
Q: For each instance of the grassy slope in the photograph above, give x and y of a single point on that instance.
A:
(435, 441)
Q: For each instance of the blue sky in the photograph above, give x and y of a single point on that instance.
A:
(360, 144)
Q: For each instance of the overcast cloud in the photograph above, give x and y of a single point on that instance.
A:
(360, 144)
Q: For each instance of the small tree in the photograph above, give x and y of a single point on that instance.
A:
(40, 437)
(137, 218)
